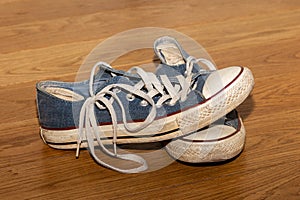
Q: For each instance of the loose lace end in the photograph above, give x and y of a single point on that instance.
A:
(78, 149)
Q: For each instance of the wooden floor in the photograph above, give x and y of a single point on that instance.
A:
(49, 39)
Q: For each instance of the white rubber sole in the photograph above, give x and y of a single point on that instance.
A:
(201, 148)
(176, 125)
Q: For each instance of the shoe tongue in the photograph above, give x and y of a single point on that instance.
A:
(173, 71)
(170, 71)
(172, 56)
(169, 51)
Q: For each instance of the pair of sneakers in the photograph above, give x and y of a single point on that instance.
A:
(179, 103)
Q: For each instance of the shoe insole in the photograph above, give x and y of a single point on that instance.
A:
(64, 94)
(171, 54)
(212, 133)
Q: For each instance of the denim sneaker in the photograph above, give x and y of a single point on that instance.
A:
(221, 141)
(115, 107)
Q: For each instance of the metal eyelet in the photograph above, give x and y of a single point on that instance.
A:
(130, 97)
(143, 103)
(169, 104)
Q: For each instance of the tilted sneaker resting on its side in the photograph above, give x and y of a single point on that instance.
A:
(218, 142)
(116, 107)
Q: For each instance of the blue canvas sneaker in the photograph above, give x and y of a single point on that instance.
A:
(115, 107)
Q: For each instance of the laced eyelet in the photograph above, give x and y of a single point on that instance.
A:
(130, 97)
(170, 104)
(144, 103)
(100, 106)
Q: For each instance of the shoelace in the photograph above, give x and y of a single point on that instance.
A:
(88, 125)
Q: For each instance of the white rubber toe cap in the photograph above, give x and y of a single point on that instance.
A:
(219, 79)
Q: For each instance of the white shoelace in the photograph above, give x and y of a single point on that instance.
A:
(88, 125)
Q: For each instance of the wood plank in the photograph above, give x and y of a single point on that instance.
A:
(45, 63)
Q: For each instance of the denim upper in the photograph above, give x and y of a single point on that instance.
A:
(57, 113)
(232, 119)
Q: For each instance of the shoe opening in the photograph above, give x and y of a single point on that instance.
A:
(64, 93)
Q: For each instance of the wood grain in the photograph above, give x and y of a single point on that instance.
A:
(49, 39)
